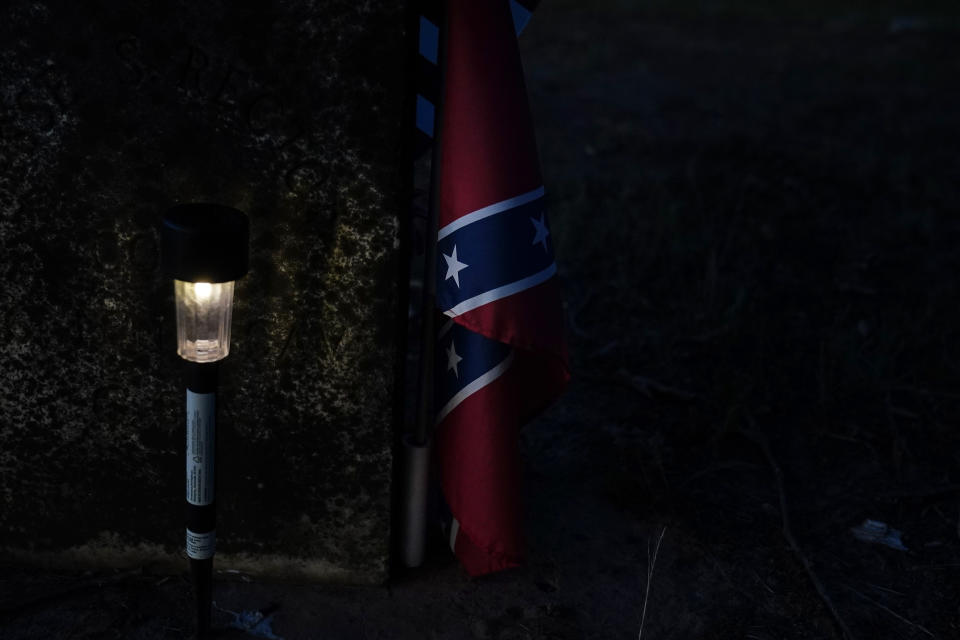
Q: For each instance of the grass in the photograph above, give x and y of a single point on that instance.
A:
(651, 565)
(755, 208)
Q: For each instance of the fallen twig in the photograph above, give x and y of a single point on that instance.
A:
(649, 386)
(926, 392)
(604, 350)
(651, 563)
(893, 613)
(761, 440)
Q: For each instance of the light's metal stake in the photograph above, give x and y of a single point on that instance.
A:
(204, 249)
(201, 510)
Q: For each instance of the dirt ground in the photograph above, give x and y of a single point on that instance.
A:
(755, 217)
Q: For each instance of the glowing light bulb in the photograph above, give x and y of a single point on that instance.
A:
(203, 319)
(202, 289)
(204, 247)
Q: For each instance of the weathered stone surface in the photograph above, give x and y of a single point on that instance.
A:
(111, 112)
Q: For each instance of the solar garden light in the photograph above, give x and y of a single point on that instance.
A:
(204, 248)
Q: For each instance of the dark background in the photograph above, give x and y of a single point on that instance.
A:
(754, 213)
(759, 242)
(109, 114)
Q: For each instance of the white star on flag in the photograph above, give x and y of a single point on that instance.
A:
(454, 266)
(453, 360)
(542, 233)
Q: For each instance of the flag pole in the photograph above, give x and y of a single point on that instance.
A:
(417, 444)
(428, 312)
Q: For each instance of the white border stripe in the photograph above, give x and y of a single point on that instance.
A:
(491, 210)
(475, 386)
(502, 292)
(454, 530)
(444, 329)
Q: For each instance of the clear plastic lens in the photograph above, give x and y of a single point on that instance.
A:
(204, 310)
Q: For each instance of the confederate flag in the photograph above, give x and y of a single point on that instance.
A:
(501, 356)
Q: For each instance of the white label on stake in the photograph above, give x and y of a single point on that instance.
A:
(200, 546)
(201, 408)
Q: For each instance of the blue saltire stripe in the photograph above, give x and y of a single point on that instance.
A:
(474, 362)
(502, 292)
(489, 210)
(500, 258)
(476, 385)
(521, 15)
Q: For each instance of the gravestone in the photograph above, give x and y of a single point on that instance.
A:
(109, 114)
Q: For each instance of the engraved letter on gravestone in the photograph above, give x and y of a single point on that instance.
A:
(112, 112)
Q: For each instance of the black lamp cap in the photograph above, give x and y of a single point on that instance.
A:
(204, 242)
